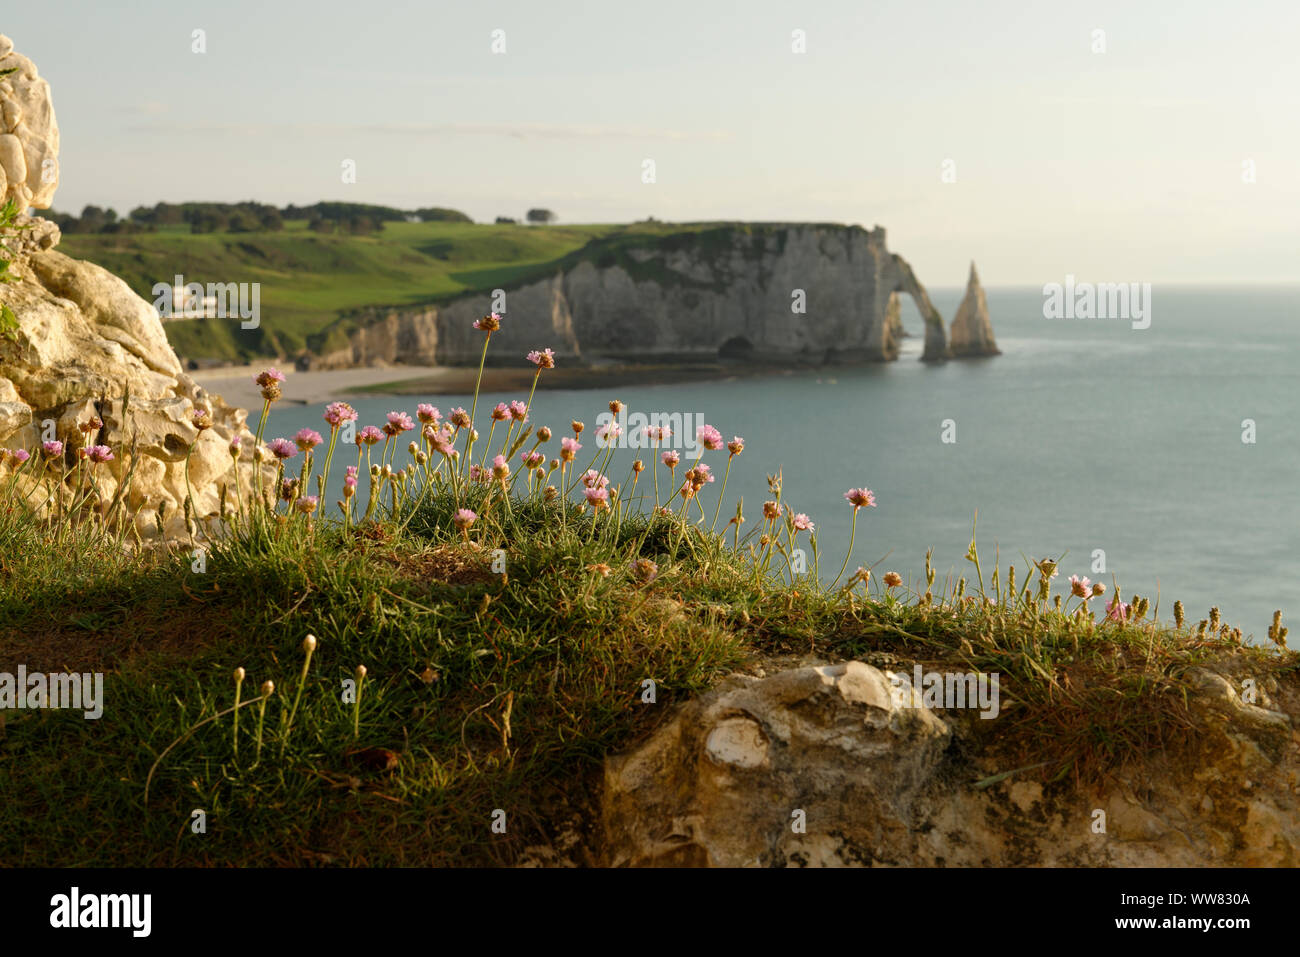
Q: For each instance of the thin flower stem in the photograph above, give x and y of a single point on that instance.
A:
(473, 406)
(717, 511)
(853, 530)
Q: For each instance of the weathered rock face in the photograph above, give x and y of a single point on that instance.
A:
(84, 341)
(972, 332)
(384, 337)
(824, 766)
(766, 293)
(29, 135)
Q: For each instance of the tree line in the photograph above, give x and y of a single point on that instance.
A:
(248, 217)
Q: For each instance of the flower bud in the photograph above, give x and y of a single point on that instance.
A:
(309, 644)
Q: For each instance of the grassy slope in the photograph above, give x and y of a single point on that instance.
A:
(309, 280)
(490, 691)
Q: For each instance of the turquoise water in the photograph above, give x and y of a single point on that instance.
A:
(1083, 435)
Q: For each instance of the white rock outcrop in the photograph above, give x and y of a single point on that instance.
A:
(84, 341)
(29, 135)
(843, 765)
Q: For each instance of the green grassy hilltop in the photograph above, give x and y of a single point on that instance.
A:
(309, 279)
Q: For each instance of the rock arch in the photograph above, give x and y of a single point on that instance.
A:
(902, 279)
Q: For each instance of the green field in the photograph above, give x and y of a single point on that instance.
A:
(309, 280)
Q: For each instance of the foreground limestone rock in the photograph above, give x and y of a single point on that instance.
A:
(84, 341)
(29, 135)
(779, 293)
(822, 766)
(972, 331)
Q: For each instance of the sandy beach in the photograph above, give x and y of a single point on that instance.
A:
(235, 383)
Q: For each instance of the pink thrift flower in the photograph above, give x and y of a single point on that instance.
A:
(460, 418)
(532, 459)
(500, 412)
(306, 504)
(543, 360)
(283, 448)
(568, 448)
(427, 413)
(593, 479)
(370, 435)
(307, 439)
(597, 498)
(709, 437)
(1117, 610)
(97, 453)
(736, 445)
(18, 455)
(489, 323)
(398, 422)
(464, 518)
(500, 468)
(1080, 587)
(440, 440)
(518, 411)
(336, 413)
(52, 449)
(802, 522)
(861, 498)
(670, 458)
(269, 376)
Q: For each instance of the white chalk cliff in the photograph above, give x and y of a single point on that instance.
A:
(772, 293)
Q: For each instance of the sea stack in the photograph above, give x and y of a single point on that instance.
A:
(972, 332)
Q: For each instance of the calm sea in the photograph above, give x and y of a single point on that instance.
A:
(1085, 437)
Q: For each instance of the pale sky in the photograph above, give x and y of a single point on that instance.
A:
(1125, 165)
